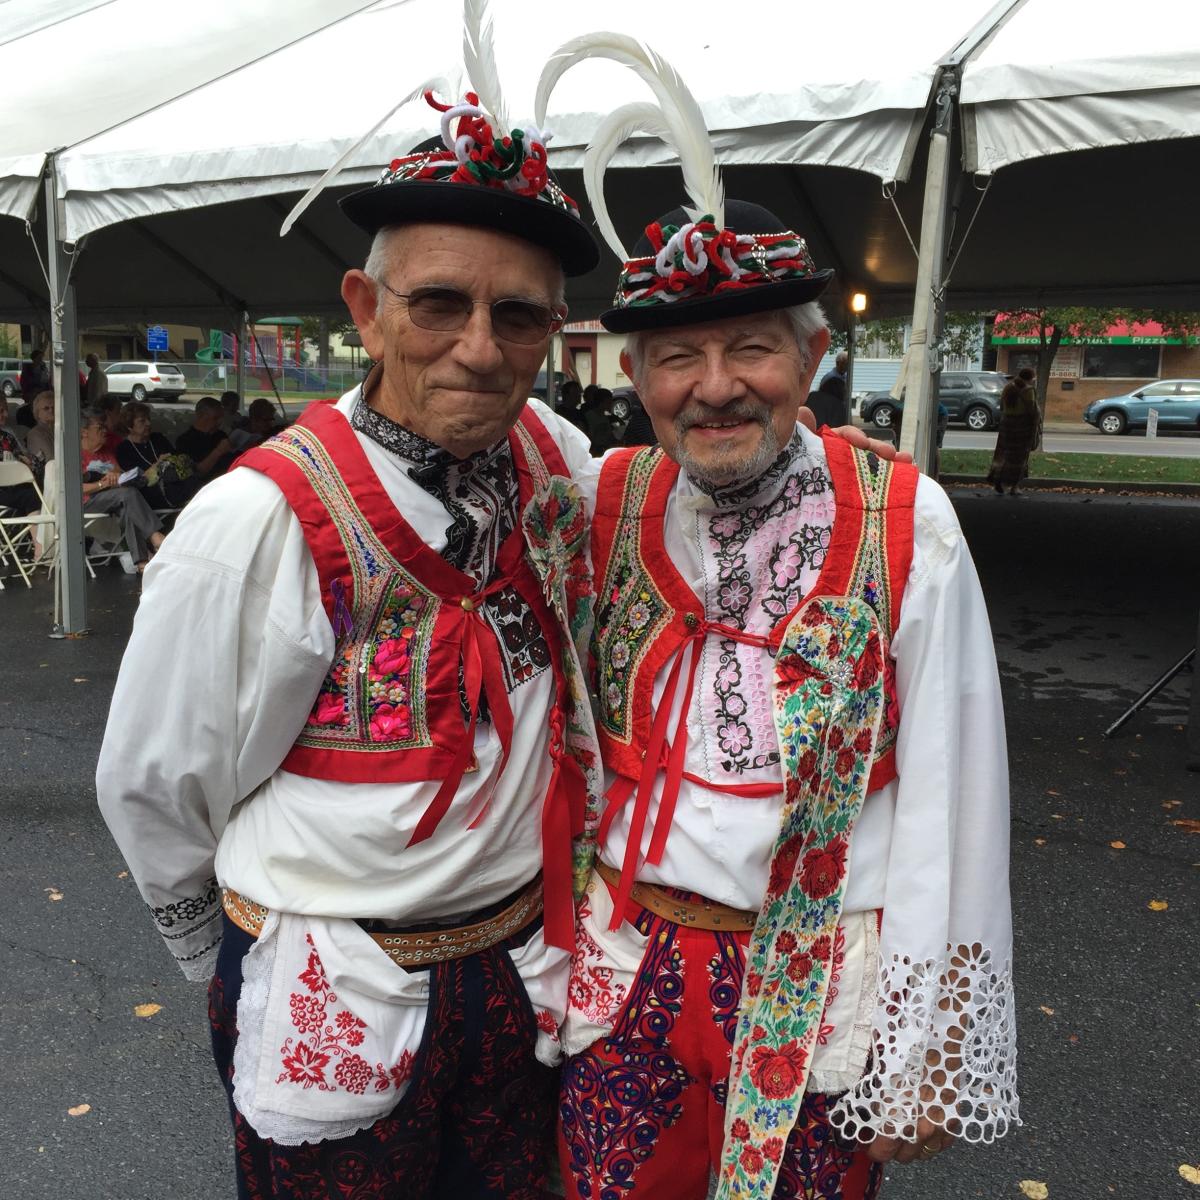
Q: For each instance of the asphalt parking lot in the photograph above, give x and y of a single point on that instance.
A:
(1090, 599)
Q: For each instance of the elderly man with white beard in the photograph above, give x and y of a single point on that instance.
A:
(794, 955)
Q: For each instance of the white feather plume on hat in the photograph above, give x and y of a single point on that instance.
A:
(676, 119)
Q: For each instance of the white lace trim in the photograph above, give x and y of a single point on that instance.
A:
(945, 1048)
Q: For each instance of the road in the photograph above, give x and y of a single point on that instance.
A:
(1106, 1000)
(1087, 441)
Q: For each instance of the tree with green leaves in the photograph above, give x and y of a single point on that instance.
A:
(963, 336)
(1051, 325)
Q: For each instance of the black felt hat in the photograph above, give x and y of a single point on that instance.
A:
(432, 183)
(684, 272)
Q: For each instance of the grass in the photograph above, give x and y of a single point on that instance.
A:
(1092, 468)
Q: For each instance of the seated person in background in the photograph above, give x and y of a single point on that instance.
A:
(15, 434)
(597, 422)
(231, 403)
(140, 526)
(39, 441)
(261, 423)
(153, 454)
(18, 498)
(204, 443)
(109, 407)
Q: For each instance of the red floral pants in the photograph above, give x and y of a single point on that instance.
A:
(475, 1124)
(642, 1112)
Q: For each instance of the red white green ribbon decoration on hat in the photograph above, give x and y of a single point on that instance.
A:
(699, 259)
(473, 154)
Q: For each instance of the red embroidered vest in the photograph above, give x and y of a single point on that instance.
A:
(645, 606)
(408, 628)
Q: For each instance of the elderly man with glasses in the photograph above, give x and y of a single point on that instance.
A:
(363, 813)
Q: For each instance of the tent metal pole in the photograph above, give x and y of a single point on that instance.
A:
(919, 429)
(240, 353)
(71, 582)
(851, 329)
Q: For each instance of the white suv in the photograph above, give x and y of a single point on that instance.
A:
(137, 380)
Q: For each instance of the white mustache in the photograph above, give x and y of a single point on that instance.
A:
(703, 414)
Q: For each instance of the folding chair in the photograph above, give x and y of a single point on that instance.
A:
(101, 527)
(18, 534)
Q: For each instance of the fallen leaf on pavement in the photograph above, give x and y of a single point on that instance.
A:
(1073, 1038)
(52, 893)
(1052, 792)
(1117, 845)
(1158, 906)
(80, 679)
(1190, 1173)
(1171, 803)
(146, 1010)
(1056, 816)
(1034, 1189)
(1039, 841)
(1048, 1011)
(1188, 824)
(79, 1110)
(122, 874)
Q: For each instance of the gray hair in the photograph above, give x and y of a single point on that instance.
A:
(805, 320)
(379, 259)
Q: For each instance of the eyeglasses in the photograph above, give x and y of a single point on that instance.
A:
(447, 309)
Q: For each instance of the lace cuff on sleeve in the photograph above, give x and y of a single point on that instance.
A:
(191, 928)
(945, 1048)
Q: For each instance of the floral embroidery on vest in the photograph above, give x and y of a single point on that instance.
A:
(762, 552)
(479, 494)
(368, 696)
(630, 611)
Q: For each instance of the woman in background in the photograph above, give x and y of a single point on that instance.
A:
(1020, 424)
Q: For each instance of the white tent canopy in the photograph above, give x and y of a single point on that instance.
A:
(80, 67)
(1077, 75)
(798, 96)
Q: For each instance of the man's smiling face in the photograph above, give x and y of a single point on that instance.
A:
(724, 396)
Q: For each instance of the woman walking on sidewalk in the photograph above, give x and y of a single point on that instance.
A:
(1020, 425)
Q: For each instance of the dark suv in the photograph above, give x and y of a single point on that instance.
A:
(972, 398)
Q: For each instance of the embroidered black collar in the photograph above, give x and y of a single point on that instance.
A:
(732, 495)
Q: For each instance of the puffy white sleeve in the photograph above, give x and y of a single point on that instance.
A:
(228, 651)
(944, 1026)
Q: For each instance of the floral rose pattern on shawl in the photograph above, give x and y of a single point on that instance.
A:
(827, 714)
(555, 527)
(322, 1053)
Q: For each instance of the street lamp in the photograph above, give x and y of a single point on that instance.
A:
(858, 302)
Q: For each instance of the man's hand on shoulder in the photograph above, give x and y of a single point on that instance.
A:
(856, 437)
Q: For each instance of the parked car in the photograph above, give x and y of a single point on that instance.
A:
(972, 398)
(10, 377)
(137, 380)
(1176, 400)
